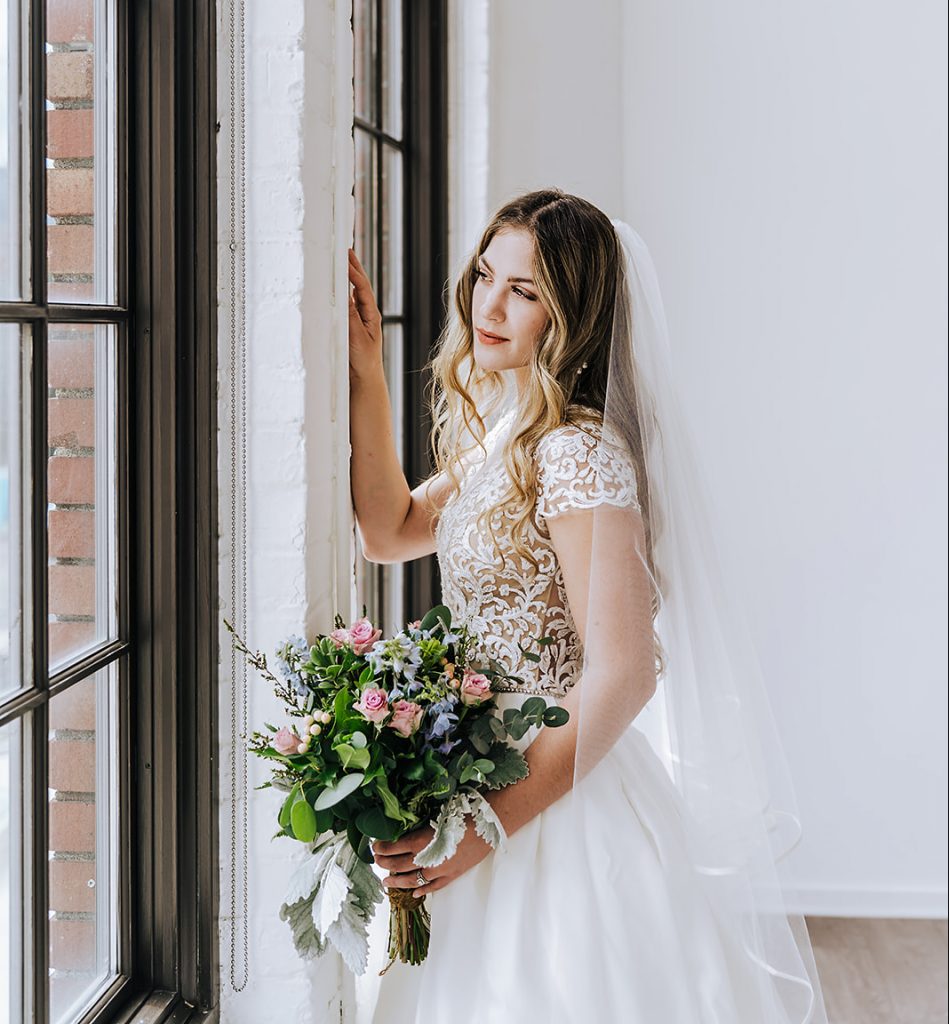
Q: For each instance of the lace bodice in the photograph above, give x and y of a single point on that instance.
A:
(498, 593)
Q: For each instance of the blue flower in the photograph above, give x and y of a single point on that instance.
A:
(446, 747)
(443, 719)
(401, 654)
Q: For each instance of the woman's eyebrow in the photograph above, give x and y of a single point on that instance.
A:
(525, 280)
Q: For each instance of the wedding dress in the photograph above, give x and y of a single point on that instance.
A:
(637, 938)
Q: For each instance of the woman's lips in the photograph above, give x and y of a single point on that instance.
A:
(489, 339)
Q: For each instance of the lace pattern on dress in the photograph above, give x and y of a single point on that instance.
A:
(497, 592)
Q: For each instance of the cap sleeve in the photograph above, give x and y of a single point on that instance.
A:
(578, 468)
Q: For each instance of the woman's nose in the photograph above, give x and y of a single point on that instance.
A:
(491, 305)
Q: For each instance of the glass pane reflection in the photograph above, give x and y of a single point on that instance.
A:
(81, 150)
(82, 483)
(14, 516)
(82, 844)
(14, 145)
(12, 760)
(392, 67)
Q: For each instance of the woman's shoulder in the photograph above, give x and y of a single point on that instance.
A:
(581, 432)
(581, 463)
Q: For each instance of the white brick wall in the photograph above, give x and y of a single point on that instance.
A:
(299, 108)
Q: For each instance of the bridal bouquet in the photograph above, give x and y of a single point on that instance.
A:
(384, 735)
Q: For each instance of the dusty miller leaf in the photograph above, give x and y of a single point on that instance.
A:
(509, 766)
(306, 877)
(487, 823)
(449, 828)
(329, 897)
(349, 934)
(306, 940)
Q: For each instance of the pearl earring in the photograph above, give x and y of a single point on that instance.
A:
(582, 368)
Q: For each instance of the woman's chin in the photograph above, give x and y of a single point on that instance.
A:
(486, 359)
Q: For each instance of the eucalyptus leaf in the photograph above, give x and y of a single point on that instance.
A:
(555, 716)
(533, 707)
(480, 743)
(351, 757)
(432, 617)
(374, 822)
(334, 794)
(358, 740)
(284, 816)
(303, 821)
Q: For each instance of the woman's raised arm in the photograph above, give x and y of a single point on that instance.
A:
(396, 524)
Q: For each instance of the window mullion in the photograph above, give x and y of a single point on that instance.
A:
(36, 874)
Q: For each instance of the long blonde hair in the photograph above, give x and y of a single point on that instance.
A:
(576, 260)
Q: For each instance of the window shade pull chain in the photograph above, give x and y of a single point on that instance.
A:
(237, 150)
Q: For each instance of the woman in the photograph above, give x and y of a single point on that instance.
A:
(565, 521)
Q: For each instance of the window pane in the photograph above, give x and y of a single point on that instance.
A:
(11, 877)
(366, 214)
(392, 67)
(81, 190)
(364, 57)
(393, 253)
(83, 938)
(82, 486)
(14, 149)
(15, 487)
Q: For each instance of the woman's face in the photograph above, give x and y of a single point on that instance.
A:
(504, 303)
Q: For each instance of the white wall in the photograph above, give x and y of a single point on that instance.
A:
(554, 106)
(300, 539)
(786, 165)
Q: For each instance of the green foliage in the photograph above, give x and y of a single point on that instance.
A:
(334, 794)
(303, 819)
(509, 766)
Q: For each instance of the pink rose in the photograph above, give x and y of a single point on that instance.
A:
(406, 717)
(360, 634)
(285, 741)
(373, 704)
(340, 637)
(475, 688)
(363, 635)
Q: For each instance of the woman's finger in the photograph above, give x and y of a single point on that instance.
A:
(432, 886)
(399, 862)
(411, 842)
(405, 879)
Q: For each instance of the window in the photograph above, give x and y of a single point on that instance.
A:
(107, 651)
(401, 239)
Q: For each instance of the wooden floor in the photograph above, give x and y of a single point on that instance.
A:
(881, 970)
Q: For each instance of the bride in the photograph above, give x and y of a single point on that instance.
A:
(639, 879)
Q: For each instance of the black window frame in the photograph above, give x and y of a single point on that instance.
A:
(428, 264)
(424, 151)
(168, 579)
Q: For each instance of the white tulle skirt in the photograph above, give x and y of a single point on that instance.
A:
(558, 931)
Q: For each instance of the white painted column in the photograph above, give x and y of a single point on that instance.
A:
(300, 532)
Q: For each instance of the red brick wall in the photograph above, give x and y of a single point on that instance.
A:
(72, 514)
